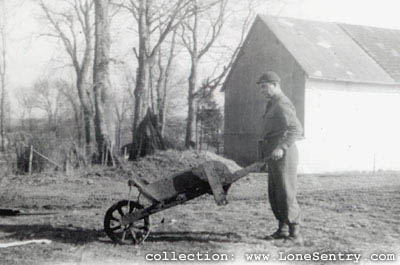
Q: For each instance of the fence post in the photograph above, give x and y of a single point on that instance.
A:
(30, 159)
(374, 167)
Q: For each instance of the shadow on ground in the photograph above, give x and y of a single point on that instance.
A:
(198, 236)
(71, 235)
(79, 235)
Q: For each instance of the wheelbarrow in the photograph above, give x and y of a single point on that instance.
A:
(128, 221)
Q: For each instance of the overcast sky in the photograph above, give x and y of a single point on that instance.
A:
(29, 55)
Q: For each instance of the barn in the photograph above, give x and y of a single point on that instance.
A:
(344, 81)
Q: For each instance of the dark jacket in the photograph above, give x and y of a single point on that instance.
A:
(281, 126)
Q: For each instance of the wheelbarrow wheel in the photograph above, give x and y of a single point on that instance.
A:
(133, 233)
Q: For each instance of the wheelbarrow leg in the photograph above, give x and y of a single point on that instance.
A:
(215, 183)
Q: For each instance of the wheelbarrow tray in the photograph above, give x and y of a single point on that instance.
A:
(169, 187)
(211, 176)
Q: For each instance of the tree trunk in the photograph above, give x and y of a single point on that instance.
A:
(142, 86)
(2, 110)
(84, 98)
(82, 84)
(87, 123)
(118, 137)
(2, 104)
(120, 115)
(101, 82)
(78, 123)
(162, 115)
(144, 67)
(166, 76)
(159, 93)
(190, 123)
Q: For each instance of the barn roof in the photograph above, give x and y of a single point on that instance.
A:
(333, 51)
(383, 45)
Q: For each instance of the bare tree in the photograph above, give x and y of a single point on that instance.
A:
(155, 21)
(44, 96)
(199, 41)
(44, 108)
(197, 48)
(101, 79)
(66, 25)
(214, 81)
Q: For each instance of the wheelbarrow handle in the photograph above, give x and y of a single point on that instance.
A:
(255, 167)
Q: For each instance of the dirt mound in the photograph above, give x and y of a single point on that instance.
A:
(165, 163)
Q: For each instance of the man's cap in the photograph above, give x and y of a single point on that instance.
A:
(270, 76)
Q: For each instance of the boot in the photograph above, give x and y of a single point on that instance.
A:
(294, 235)
(281, 233)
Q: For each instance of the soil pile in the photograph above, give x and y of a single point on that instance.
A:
(166, 163)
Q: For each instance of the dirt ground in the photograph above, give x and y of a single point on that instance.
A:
(351, 213)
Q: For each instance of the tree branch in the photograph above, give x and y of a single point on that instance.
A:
(216, 29)
(213, 83)
(67, 42)
(173, 22)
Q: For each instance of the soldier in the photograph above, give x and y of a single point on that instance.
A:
(278, 149)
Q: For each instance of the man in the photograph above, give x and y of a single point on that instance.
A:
(278, 149)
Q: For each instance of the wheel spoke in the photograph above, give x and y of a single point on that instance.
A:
(120, 211)
(123, 235)
(139, 226)
(133, 235)
(115, 228)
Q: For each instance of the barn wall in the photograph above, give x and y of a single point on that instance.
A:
(244, 106)
(350, 127)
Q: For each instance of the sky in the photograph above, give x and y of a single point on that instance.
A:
(29, 54)
(381, 13)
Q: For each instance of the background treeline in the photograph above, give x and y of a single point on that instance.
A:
(127, 76)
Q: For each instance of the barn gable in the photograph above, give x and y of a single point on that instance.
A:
(327, 52)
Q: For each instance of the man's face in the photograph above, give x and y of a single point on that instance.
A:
(267, 89)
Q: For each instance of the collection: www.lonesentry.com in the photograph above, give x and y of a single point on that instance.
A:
(268, 257)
